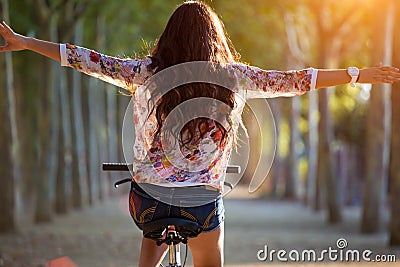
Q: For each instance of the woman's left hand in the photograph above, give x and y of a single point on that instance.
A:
(381, 74)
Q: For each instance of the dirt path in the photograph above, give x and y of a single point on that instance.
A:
(104, 236)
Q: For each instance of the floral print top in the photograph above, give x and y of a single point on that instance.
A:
(202, 161)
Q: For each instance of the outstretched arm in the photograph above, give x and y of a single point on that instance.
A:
(125, 73)
(18, 42)
(331, 77)
(272, 83)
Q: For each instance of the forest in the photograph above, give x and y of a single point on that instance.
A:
(336, 147)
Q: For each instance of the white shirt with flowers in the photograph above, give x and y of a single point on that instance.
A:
(199, 163)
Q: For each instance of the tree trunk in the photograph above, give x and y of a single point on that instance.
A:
(295, 60)
(47, 201)
(394, 230)
(328, 185)
(44, 108)
(64, 179)
(80, 186)
(275, 105)
(292, 177)
(10, 162)
(395, 167)
(93, 106)
(102, 116)
(112, 126)
(326, 161)
(7, 203)
(312, 188)
(378, 126)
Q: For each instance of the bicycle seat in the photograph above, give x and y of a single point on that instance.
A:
(184, 228)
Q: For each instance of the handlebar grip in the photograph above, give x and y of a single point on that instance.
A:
(116, 167)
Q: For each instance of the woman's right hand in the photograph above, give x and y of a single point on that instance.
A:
(14, 41)
(17, 42)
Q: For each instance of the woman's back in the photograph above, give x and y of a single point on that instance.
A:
(165, 152)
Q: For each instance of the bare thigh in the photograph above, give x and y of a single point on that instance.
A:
(208, 248)
(151, 255)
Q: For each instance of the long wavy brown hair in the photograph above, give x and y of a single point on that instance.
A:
(194, 32)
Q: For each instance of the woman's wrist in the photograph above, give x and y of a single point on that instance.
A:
(25, 41)
(361, 76)
(367, 75)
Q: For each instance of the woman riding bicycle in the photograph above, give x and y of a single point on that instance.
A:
(195, 155)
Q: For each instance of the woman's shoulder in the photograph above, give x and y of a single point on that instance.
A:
(142, 68)
(140, 63)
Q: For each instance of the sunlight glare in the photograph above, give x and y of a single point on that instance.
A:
(365, 91)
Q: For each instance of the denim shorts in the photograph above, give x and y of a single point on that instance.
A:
(151, 202)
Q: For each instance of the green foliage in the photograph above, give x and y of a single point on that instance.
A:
(21, 17)
(131, 27)
(256, 30)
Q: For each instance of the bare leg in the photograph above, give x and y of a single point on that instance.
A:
(208, 248)
(151, 255)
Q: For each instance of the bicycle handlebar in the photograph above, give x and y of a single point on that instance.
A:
(129, 167)
(117, 167)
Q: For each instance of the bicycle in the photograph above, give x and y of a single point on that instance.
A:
(169, 231)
